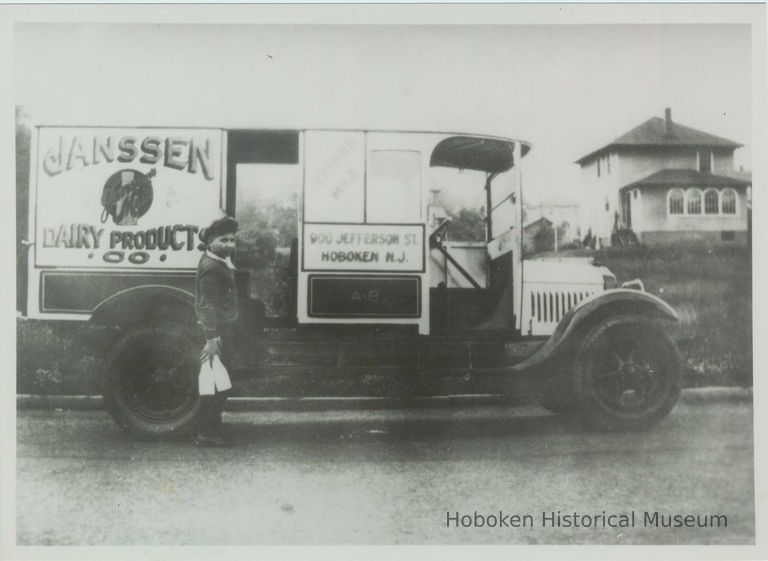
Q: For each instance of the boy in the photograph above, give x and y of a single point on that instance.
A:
(216, 307)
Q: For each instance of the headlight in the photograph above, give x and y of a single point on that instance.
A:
(609, 281)
(635, 284)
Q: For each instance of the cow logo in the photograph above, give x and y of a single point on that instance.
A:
(127, 196)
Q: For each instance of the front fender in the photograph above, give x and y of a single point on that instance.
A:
(580, 318)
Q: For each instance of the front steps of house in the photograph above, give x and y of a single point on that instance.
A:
(624, 237)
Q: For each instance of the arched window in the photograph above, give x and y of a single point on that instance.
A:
(693, 201)
(729, 201)
(711, 202)
(675, 201)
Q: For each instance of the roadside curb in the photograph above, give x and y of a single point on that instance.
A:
(95, 402)
(716, 394)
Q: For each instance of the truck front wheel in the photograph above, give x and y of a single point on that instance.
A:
(627, 374)
(150, 383)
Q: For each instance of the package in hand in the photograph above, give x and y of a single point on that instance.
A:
(213, 377)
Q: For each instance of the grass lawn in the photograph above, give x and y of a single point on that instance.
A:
(711, 289)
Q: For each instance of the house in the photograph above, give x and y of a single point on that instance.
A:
(563, 212)
(663, 182)
(538, 236)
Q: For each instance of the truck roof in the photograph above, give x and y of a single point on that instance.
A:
(480, 152)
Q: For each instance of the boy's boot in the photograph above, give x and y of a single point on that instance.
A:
(208, 427)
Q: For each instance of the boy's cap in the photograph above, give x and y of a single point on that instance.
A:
(219, 227)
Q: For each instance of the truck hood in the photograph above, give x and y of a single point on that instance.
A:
(565, 270)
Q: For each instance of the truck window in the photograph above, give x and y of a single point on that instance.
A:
(267, 211)
(393, 189)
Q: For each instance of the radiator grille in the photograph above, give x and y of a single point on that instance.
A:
(547, 306)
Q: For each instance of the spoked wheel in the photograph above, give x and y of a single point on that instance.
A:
(627, 374)
(151, 379)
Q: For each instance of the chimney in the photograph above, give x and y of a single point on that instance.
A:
(668, 122)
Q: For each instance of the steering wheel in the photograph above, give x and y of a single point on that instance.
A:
(436, 237)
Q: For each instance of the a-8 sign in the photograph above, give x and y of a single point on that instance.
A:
(124, 197)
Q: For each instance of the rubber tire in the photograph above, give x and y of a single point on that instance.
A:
(666, 354)
(125, 412)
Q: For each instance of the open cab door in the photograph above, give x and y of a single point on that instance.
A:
(476, 257)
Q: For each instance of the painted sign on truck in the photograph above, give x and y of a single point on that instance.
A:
(369, 247)
(124, 197)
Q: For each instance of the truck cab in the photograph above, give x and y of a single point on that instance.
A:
(357, 263)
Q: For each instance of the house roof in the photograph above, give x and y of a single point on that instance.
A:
(544, 220)
(686, 178)
(744, 175)
(651, 133)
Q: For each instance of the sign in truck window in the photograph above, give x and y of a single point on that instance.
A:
(363, 247)
(131, 198)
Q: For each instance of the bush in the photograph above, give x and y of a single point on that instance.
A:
(263, 230)
(271, 285)
(49, 359)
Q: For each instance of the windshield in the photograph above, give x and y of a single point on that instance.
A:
(460, 195)
(504, 189)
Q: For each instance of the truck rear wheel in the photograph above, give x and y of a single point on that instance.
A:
(150, 383)
(627, 374)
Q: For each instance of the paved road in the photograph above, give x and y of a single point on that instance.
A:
(385, 477)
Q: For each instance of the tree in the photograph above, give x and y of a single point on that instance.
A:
(264, 228)
(468, 225)
(23, 141)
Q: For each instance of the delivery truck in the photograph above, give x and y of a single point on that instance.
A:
(381, 294)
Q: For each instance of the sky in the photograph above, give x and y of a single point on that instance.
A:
(567, 89)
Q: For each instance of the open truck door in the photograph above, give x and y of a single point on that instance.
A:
(479, 280)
